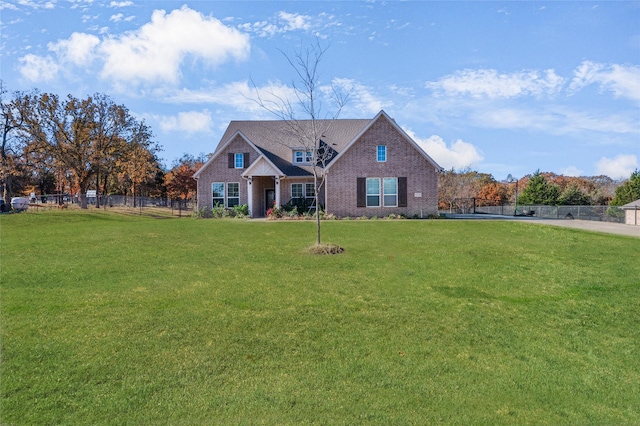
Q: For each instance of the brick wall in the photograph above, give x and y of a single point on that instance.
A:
(403, 159)
(219, 171)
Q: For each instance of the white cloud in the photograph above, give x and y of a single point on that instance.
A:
(459, 155)
(619, 167)
(152, 54)
(117, 17)
(189, 122)
(155, 51)
(38, 68)
(571, 171)
(490, 84)
(37, 5)
(9, 6)
(282, 23)
(295, 21)
(361, 98)
(120, 4)
(79, 49)
(240, 95)
(623, 81)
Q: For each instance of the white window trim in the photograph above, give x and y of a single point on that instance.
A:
(305, 155)
(313, 190)
(367, 195)
(227, 193)
(235, 160)
(378, 156)
(384, 194)
(224, 193)
(302, 190)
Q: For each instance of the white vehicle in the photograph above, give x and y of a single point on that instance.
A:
(19, 204)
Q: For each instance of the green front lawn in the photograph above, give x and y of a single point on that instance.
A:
(108, 319)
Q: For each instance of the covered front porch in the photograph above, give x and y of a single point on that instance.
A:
(263, 193)
(263, 187)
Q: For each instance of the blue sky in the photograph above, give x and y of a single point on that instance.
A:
(500, 87)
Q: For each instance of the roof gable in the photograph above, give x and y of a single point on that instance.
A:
(221, 147)
(383, 115)
(262, 167)
(275, 140)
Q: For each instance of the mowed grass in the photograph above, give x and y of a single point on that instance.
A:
(109, 319)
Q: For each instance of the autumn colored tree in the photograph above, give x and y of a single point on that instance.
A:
(11, 163)
(179, 180)
(138, 164)
(463, 187)
(87, 138)
(493, 193)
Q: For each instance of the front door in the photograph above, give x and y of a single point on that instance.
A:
(270, 198)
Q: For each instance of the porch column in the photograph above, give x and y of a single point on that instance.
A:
(278, 191)
(250, 195)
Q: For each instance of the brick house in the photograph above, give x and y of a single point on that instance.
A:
(375, 169)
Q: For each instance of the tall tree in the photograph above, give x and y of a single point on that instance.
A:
(539, 190)
(112, 128)
(629, 191)
(304, 117)
(574, 196)
(87, 138)
(138, 163)
(179, 180)
(10, 162)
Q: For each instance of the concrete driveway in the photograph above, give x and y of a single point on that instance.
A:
(596, 226)
(587, 225)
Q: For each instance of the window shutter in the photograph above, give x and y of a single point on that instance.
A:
(232, 160)
(402, 192)
(245, 160)
(362, 192)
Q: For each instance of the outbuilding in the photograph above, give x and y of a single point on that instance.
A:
(632, 213)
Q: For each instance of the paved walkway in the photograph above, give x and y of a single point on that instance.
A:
(587, 225)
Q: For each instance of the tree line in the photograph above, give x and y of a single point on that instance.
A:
(66, 146)
(538, 188)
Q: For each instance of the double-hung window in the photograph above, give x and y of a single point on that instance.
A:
(217, 189)
(390, 192)
(296, 190)
(302, 157)
(309, 190)
(233, 194)
(239, 160)
(373, 192)
(381, 153)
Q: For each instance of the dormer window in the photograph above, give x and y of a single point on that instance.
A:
(302, 157)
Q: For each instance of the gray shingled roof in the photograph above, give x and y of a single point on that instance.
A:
(276, 139)
(632, 205)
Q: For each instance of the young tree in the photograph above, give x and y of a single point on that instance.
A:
(304, 117)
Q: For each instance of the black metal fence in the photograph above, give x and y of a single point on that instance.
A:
(175, 207)
(479, 206)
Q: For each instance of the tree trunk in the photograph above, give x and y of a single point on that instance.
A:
(82, 199)
(98, 189)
